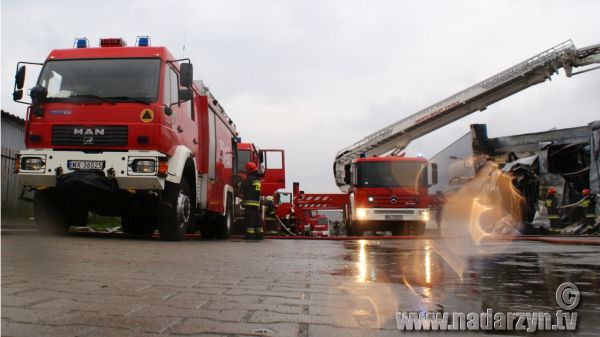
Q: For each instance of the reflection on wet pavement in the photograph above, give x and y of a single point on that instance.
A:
(523, 276)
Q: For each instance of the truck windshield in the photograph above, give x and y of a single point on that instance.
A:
(243, 159)
(391, 174)
(134, 80)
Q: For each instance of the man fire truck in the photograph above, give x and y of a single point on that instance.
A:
(377, 186)
(125, 131)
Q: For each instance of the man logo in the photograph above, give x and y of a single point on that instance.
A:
(88, 140)
(88, 132)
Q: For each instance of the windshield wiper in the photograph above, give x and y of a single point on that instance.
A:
(128, 98)
(103, 99)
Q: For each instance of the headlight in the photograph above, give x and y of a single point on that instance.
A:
(424, 215)
(361, 213)
(32, 163)
(143, 166)
(370, 199)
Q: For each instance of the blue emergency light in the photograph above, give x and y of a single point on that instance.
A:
(363, 155)
(81, 42)
(143, 41)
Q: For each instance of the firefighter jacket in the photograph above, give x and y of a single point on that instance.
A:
(251, 189)
(552, 206)
(589, 205)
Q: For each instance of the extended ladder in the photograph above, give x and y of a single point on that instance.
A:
(478, 97)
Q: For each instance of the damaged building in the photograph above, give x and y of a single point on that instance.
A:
(567, 160)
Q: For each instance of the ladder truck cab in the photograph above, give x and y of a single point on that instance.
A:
(355, 175)
(125, 131)
(390, 193)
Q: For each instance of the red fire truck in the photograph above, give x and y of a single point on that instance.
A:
(125, 131)
(375, 199)
(271, 164)
(390, 194)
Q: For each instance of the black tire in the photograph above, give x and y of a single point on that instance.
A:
(176, 211)
(49, 213)
(206, 225)
(225, 222)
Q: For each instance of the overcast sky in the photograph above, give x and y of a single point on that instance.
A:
(313, 77)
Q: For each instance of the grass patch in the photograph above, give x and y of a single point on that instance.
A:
(98, 222)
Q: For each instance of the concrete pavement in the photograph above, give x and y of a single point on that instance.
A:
(97, 286)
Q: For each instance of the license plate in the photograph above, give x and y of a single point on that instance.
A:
(85, 164)
(394, 217)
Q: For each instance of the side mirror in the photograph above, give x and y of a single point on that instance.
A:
(261, 156)
(432, 176)
(17, 95)
(38, 93)
(168, 111)
(186, 75)
(20, 77)
(184, 95)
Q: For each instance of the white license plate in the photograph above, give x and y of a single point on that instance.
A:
(85, 164)
(394, 217)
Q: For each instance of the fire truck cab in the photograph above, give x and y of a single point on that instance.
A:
(390, 194)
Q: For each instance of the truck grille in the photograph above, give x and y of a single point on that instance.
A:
(394, 211)
(89, 135)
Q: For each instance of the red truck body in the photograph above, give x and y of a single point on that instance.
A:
(121, 126)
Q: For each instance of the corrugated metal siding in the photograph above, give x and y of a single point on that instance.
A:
(13, 131)
(13, 134)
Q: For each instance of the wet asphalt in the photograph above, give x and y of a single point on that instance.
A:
(87, 285)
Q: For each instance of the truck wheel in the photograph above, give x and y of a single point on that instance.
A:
(177, 211)
(207, 228)
(49, 213)
(225, 222)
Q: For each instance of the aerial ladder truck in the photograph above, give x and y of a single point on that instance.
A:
(388, 191)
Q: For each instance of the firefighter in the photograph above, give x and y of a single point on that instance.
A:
(552, 207)
(270, 220)
(589, 206)
(251, 189)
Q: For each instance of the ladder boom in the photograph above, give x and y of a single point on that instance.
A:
(478, 97)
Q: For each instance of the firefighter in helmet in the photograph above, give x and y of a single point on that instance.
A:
(270, 220)
(552, 207)
(589, 206)
(251, 189)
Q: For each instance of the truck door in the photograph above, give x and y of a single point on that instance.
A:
(274, 171)
(183, 115)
